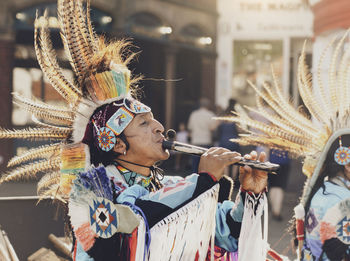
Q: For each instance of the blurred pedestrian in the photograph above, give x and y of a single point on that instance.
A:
(201, 126)
(225, 132)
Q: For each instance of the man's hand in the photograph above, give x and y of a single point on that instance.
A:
(215, 160)
(252, 179)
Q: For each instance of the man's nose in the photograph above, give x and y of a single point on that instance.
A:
(158, 127)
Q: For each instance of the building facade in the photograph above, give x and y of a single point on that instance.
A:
(252, 36)
(331, 20)
(176, 40)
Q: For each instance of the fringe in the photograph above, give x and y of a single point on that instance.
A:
(173, 237)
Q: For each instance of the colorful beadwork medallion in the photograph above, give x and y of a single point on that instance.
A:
(342, 155)
(106, 139)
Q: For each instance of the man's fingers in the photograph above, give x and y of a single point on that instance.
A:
(247, 156)
(262, 157)
(247, 169)
(253, 155)
(216, 150)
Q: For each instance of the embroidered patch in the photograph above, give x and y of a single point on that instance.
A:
(120, 120)
(342, 155)
(343, 230)
(103, 217)
(310, 221)
(106, 139)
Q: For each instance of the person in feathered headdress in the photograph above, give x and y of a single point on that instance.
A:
(120, 205)
(322, 219)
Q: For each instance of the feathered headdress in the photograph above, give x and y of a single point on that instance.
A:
(102, 77)
(292, 130)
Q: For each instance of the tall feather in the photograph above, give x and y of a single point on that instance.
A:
(274, 102)
(59, 114)
(84, 35)
(294, 117)
(52, 192)
(93, 37)
(325, 100)
(29, 171)
(47, 180)
(48, 63)
(305, 89)
(47, 115)
(266, 129)
(70, 32)
(278, 121)
(50, 126)
(343, 80)
(33, 133)
(335, 89)
(45, 151)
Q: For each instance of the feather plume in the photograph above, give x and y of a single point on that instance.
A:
(274, 102)
(45, 151)
(83, 36)
(50, 126)
(276, 120)
(70, 31)
(48, 180)
(29, 171)
(266, 129)
(58, 114)
(93, 37)
(33, 133)
(322, 90)
(305, 89)
(343, 79)
(294, 126)
(52, 192)
(294, 117)
(335, 89)
(49, 65)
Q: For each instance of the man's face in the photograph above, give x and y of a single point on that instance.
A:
(145, 138)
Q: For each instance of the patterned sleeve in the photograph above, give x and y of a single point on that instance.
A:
(157, 205)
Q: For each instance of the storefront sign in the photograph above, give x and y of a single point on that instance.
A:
(283, 17)
(271, 6)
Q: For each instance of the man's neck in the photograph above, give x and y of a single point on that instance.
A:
(144, 171)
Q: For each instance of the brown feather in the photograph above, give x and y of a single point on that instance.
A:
(45, 151)
(33, 133)
(29, 171)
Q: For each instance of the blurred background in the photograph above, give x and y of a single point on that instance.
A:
(189, 49)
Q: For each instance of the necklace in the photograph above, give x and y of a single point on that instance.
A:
(151, 182)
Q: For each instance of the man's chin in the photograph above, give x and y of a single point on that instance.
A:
(166, 155)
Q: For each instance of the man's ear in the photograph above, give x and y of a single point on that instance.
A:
(120, 146)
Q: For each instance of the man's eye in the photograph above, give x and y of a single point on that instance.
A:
(144, 123)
